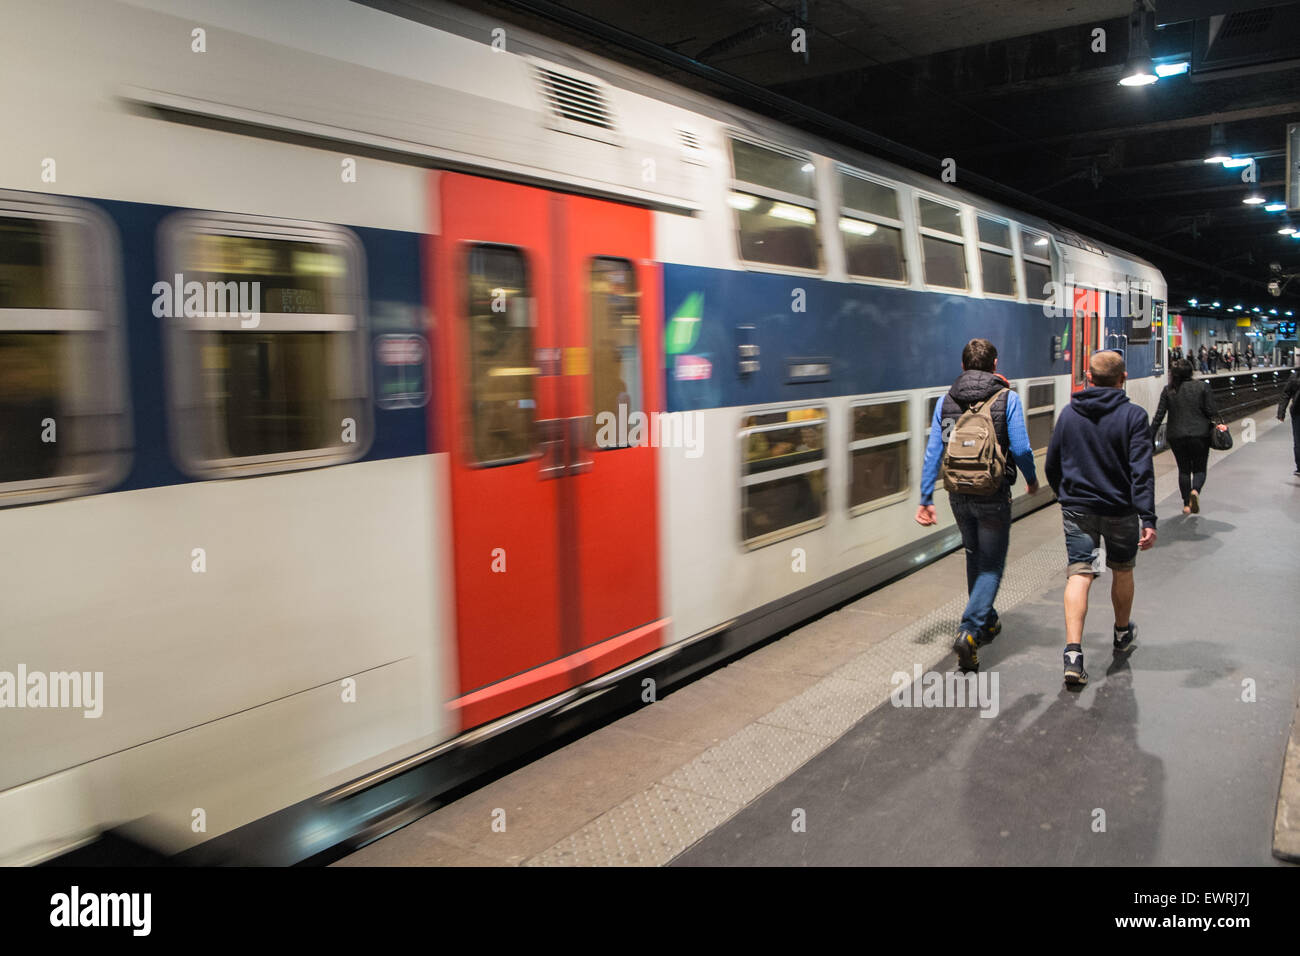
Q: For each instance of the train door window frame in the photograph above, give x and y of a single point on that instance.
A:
(743, 195)
(864, 217)
(193, 416)
(936, 234)
(1029, 411)
(536, 439)
(93, 439)
(635, 390)
(1033, 291)
(885, 440)
(1007, 252)
(809, 465)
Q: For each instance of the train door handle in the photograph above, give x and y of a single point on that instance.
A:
(551, 441)
(579, 461)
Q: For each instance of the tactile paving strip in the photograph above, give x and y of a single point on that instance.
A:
(652, 827)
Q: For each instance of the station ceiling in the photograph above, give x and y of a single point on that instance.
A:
(1018, 95)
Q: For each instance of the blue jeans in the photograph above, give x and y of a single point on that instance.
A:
(985, 525)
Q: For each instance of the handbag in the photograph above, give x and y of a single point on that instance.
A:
(1220, 437)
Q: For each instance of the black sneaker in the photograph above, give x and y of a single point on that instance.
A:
(988, 632)
(1124, 639)
(967, 658)
(1074, 672)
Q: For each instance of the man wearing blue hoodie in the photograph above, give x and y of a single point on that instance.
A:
(1099, 465)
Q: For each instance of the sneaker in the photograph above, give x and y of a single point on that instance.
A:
(1074, 672)
(988, 632)
(967, 658)
(1196, 503)
(1124, 639)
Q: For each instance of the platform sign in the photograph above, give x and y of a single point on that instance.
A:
(1293, 167)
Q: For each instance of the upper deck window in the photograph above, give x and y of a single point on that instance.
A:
(774, 196)
(1036, 251)
(871, 229)
(997, 260)
(289, 388)
(943, 244)
(64, 426)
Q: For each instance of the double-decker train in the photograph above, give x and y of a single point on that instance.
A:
(332, 348)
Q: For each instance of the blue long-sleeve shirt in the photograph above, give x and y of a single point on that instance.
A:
(1017, 436)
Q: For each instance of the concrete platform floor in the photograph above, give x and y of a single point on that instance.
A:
(724, 770)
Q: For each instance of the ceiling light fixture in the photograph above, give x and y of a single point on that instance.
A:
(1253, 200)
(1139, 71)
(1275, 207)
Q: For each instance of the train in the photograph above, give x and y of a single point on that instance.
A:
(372, 383)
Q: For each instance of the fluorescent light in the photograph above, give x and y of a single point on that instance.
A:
(742, 202)
(1286, 230)
(1272, 311)
(1253, 200)
(1139, 71)
(1256, 309)
(1218, 158)
(1275, 207)
(1192, 302)
(793, 213)
(806, 168)
(1236, 162)
(1216, 303)
(1172, 69)
(857, 227)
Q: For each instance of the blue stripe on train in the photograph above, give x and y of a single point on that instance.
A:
(875, 338)
(393, 277)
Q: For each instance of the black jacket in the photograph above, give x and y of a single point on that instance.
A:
(1290, 396)
(1191, 411)
(1099, 461)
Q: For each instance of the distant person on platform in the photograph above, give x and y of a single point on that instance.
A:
(1192, 414)
(1291, 399)
(1213, 358)
(1250, 357)
(1202, 360)
(1099, 465)
(984, 520)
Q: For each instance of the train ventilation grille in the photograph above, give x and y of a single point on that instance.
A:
(576, 100)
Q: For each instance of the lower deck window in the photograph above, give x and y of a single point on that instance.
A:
(783, 473)
(1040, 412)
(879, 450)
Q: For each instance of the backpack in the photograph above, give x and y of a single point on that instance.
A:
(973, 462)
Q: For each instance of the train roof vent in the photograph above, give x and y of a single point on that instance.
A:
(692, 151)
(577, 105)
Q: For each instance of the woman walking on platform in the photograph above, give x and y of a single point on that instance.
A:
(1191, 411)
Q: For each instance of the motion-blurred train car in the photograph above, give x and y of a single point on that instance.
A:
(332, 348)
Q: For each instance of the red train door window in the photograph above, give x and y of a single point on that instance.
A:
(545, 312)
(1086, 334)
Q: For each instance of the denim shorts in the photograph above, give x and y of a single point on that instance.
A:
(1084, 534)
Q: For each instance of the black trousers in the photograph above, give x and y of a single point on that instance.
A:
(1295, 436)
(1191, 455)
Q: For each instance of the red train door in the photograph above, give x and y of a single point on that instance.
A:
(546, 307)
(1086, 334)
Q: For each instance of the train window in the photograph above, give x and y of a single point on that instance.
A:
(943, 244)
(616, 346)
(871, 229)
(64, 422)
(997, 261)
(783, 474)
(776, 210)
(1040, 411)
(879, 448)
(269, 350)
(503, 373)
(1035, 250)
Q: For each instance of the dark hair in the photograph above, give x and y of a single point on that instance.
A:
(1180, 372)
(979, 355)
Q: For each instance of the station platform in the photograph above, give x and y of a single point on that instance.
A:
(795, 754)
